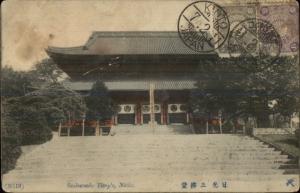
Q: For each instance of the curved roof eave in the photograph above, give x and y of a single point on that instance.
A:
(65, 50)
(150, 43)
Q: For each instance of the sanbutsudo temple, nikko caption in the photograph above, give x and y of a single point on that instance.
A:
(129, 64)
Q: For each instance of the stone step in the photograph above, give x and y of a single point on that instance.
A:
(206, 163)
(147, 139)
(167, 164)
(292, 171)
(229, 178)
(108, 148)
(234, 152)
(201, 137)
(197, 160)
(147, 155)
(144, 170)
(151, 146)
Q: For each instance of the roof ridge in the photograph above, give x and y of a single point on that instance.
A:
(125, 34)
(134, 33)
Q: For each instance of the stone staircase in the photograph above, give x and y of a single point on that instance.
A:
(174, 129)
(154, 163)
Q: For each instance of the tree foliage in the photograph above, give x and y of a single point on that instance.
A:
(99, 104)
(248, 93)
(46, 71)
(59, 103)
(14, 83)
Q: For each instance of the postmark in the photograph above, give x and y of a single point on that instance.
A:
(255, 40)
(203, 26)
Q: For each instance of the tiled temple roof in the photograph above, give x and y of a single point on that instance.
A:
(130, 43)
(135, 85)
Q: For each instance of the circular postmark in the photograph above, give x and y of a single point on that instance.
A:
(203, 26)
(256, 41)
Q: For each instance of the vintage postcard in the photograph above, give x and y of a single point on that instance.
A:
(150, 96)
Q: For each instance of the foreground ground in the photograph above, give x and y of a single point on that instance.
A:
(129, 163)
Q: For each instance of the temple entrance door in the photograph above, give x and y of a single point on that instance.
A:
(177, 114)
(126, 114)
(146, 113)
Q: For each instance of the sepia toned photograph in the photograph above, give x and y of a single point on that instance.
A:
(150, 96)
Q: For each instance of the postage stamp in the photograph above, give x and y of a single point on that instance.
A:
(255, 39)
(150, 96)
(287, 26)
(236, 14)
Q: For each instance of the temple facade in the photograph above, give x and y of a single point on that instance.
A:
(129, 63)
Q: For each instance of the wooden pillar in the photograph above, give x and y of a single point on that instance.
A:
(161, 114)
(167, 117)
(135, 117)
(138, 112)
(165, 112)
(69, 125)
(187, 118)
(141, 114)
(142, 117)
(59, 129)
(116, 119)
(151, 104)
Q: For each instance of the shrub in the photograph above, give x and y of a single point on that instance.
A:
(297, 133)
(34, 127)
(53, 116)
(11, 139)
(228, 127)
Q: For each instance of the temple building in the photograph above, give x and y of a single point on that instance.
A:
(129, 63)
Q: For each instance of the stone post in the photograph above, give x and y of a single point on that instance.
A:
(59, 129)
(97, 131)
(83, 127)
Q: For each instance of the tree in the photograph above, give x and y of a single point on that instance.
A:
(14, 83)
(248, 93)
(218, 92)
(59, 103)
(99, 104)
(279, 82)
(46, 71)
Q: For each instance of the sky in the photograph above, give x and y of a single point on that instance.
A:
(29, 26)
